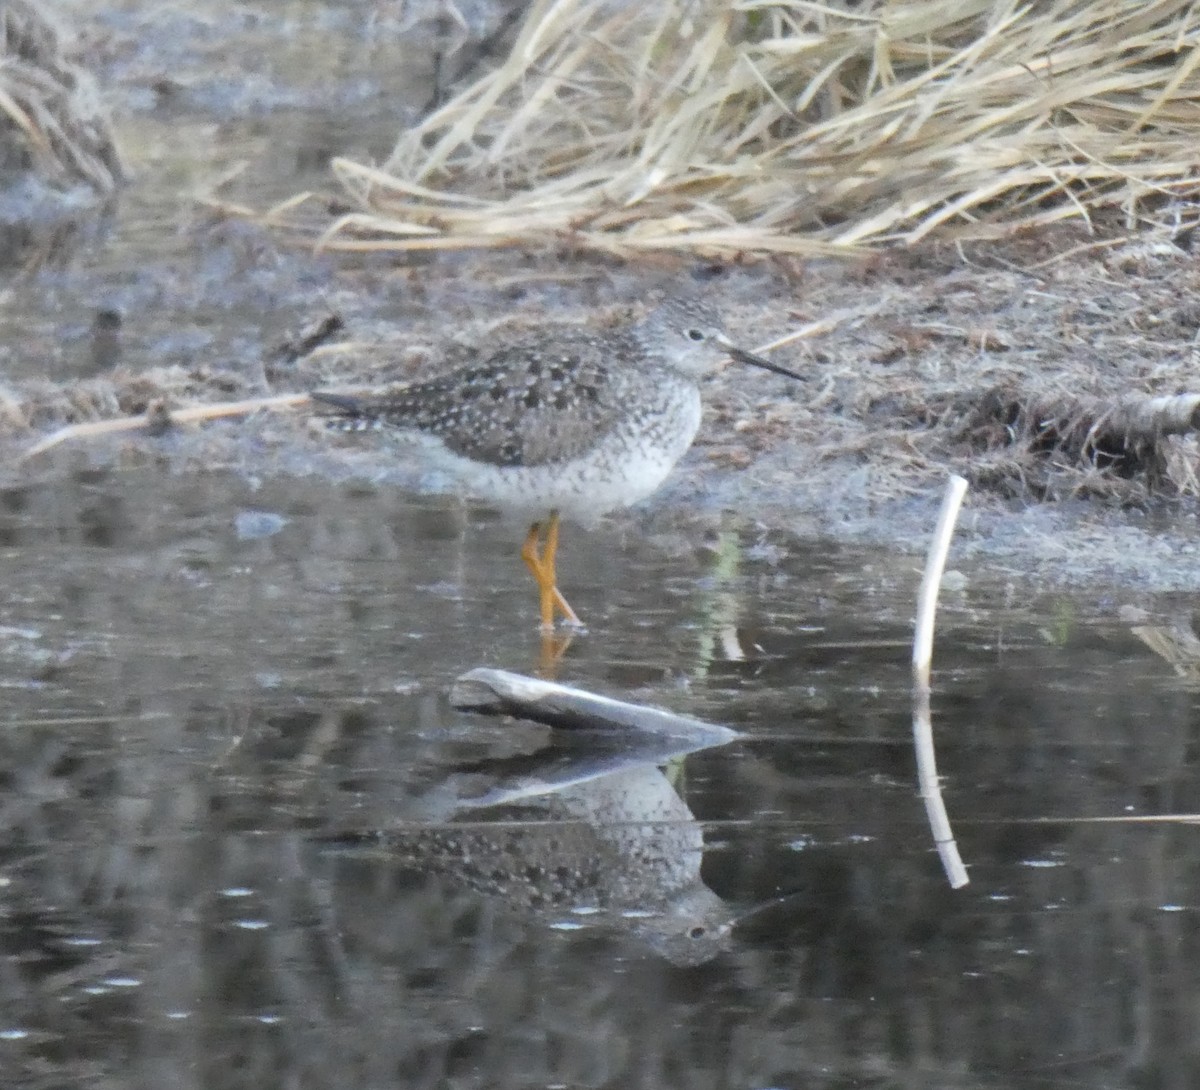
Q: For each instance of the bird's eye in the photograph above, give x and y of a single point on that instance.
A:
(695, 334)
(696, 932)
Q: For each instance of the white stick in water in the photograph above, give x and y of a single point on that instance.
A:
(927, 777)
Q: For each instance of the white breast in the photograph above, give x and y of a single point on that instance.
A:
(625, 466)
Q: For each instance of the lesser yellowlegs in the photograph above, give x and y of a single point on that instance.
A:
(622, 851)
(572, 422)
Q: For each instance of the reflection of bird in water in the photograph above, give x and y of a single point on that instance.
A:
(622, 849)
(572, 421)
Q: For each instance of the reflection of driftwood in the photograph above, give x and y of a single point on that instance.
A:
(931, 790)
(568, 759)
(558, 766)
(498, 692)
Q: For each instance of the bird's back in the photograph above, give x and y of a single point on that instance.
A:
(581, 422)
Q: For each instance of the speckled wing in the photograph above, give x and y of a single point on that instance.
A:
(521, 407)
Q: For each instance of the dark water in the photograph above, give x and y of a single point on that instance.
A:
(232, 853)
(237, 847)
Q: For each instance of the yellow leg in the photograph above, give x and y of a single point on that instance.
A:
(540, 562)
(548, 556)
(533, 561)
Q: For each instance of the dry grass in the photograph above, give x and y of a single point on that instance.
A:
(794, 126)
(51, 118)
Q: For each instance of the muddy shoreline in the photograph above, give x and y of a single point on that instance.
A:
(918, 339)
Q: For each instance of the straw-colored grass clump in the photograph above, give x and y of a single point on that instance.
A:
(795, 126)
(52, 121)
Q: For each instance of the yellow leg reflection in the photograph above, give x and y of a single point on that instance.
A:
(554, 647)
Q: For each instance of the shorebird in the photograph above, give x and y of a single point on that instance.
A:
(571, 422)
(620, 851)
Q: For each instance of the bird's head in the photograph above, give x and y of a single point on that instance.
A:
(688, 335)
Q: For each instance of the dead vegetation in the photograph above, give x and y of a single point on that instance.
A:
(1072, 379)
(1009, 186)
(52, 120)
(793, 126)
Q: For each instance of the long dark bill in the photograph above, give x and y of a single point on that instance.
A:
(344, 403)
(742, 356)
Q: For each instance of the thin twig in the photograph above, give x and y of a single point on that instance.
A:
(819, 327)
(927, 777)
(161, 417)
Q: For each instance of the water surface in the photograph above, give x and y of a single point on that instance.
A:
(226, 750)
(238, 848)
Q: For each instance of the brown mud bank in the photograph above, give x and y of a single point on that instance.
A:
(1029, 368)
(1055, 369)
